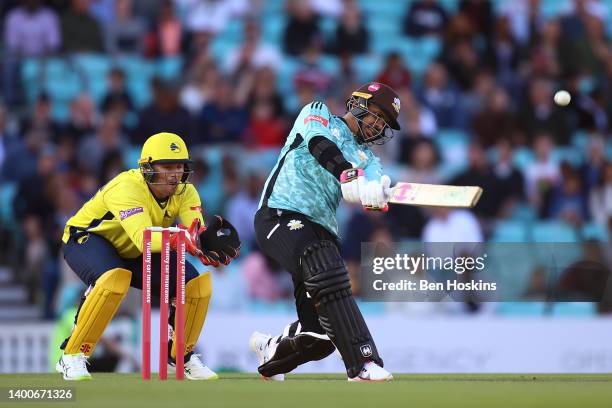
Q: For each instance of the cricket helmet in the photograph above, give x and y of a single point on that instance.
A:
(385, 98)
(163, 148)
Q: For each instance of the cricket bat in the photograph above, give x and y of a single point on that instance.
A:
(435, 195)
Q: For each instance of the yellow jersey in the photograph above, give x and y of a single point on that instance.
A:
(124, 207)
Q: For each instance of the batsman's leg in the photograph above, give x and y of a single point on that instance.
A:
(327, 282)
(282, 354)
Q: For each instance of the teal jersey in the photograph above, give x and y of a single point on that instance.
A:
(299, 183)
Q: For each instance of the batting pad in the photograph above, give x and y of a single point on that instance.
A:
(197, 297)
(97, 311)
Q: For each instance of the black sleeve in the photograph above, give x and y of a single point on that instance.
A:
(328, 155)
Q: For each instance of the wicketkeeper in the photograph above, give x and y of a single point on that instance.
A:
(103, 246)
(325, 158)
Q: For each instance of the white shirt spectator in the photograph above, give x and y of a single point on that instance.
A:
(211, 15)
(263, 56)
(32, 33)
(452, 226)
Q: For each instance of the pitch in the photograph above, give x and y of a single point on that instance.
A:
(302, 390)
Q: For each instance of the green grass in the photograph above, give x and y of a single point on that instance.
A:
(322, 391)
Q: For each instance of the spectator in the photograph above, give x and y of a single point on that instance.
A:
(125, 34)
(117, 97)
(584, 44)
(479, 173)
(264, 90)
(543, 173)
(395, 73)
(352, 36)
(213, 15)
(480, 15)
(241, 208)
(567, 202)
(496, 121)
(253, 53)
(510, 183)
(264, 129)
(262, 276)
(423, 160)
(83, 117)
(439, 95)
(41, 120)
(31, 30)
(222, 120)
(312, 72)
(540, 115)
(425, 17)
(80, 30)
(94, 148)
(200, 90)
(448, 225)
(545, 51)
(302, 29)
(592, 170)
(505, 54)
(525, 18)
(165, 39)
(462, 62)
(600, 199)
(163, 115)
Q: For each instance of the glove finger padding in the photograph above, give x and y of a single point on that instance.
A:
(221, 237)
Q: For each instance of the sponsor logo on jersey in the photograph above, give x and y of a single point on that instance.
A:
(196, 208)
(295, 225)
(373, 87)
(123, 214)
(316, 118)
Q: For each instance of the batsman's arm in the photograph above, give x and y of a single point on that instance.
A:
(328, 155)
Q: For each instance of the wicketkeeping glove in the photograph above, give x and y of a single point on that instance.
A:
(191, 238)
(221, 238)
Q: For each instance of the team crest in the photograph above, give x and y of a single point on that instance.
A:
(174, 147)
(366, 350)
(396, 104)
(295, 225)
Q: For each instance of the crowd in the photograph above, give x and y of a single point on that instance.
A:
(481, 112)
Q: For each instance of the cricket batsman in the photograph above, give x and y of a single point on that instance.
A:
(325, 158)
(102, 244)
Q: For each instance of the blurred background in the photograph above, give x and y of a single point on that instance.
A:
(85, 82)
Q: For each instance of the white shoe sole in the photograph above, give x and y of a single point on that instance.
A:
(359, 379)
(59, 369)
(260, 357)
(172, 372)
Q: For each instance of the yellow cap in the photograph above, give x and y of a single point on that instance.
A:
(164, 148)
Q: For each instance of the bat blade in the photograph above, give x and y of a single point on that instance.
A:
(435, 195)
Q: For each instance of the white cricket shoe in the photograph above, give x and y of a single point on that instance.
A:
(73, 367)
(264, 349)
(194, 369)
(372, 372)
